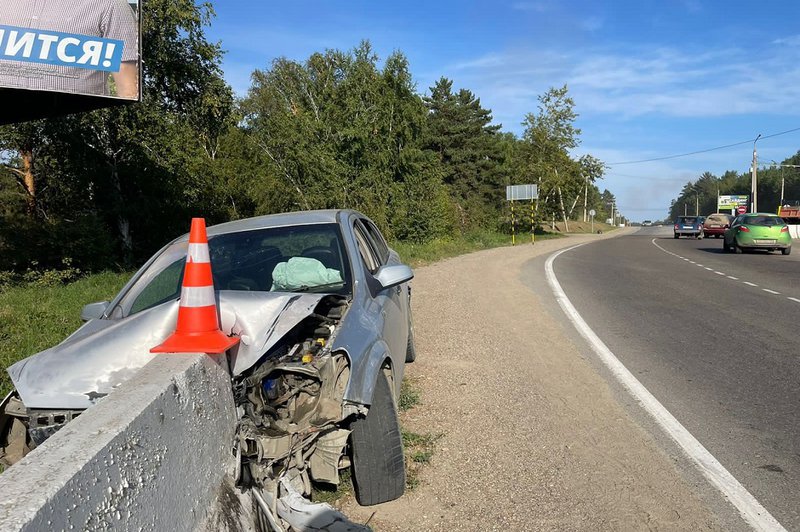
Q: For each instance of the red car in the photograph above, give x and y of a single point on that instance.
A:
(716, 224)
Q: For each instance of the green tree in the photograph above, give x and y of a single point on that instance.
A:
(338, 131)
(126, 178)
(548, 137)
(467, 144)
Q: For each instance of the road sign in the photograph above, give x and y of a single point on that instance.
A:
(522, 192)
(741, 209)
(592, 212)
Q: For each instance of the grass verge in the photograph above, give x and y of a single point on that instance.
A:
(418, 447)
(34, 317)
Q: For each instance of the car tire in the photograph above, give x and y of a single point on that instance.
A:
(376, 446)
(675, 235)
(786, 251)
(411, 350)
(736, 248)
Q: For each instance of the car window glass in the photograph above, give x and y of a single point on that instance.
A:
(764, 221)
(718, 219)
(364, 248)
(249, 261)
(380, 246)
(164, 287)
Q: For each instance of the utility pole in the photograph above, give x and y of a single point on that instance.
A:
(585, 197)
(754, 174)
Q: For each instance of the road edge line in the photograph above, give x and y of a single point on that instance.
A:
(753, 513)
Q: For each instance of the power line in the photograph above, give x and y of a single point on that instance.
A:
(703, 151)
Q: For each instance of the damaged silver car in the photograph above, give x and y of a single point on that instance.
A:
(321, 305)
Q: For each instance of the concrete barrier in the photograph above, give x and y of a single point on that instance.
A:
(153, 455)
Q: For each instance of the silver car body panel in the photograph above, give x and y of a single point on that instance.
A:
(104, 353)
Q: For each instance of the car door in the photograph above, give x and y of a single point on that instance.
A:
(730, 232)
(391, 301)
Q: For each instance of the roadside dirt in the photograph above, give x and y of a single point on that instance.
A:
(532, 437)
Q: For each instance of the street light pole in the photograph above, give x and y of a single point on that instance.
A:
(783, 180)
(754, 183)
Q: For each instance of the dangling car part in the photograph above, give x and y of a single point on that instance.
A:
(321, 306)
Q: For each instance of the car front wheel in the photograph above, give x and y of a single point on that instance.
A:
(377, 450)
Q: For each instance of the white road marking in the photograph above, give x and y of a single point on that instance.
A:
(749, 508)
(653, 241)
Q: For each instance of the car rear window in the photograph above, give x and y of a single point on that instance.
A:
(687, 221)
(763, 221)
(718, 219)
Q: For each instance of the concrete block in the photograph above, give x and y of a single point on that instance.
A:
(149, 456)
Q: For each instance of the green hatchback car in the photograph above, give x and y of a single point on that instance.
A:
(758, 231)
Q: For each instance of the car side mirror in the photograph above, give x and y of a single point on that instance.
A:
(93, 311)
(389, 276)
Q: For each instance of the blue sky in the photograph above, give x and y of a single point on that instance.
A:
(650, 78)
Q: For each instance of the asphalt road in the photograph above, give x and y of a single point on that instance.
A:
(714, 336)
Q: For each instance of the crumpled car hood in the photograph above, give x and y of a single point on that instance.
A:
(104, 353)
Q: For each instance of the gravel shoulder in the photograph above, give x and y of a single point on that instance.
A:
(532, 437)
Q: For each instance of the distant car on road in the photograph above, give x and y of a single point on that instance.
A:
(647, 223)
(758, 231)
(688, 226)
(715, 224)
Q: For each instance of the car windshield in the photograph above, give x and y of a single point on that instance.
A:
(305, 258)
(763, 221)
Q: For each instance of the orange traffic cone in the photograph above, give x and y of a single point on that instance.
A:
(198, 327)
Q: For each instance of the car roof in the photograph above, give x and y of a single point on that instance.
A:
(276, 220)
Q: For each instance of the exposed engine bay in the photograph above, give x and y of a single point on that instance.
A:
(291, 409)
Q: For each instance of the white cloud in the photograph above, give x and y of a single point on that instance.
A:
(793, 40)
(661, 81)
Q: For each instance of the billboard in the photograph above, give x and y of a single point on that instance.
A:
(62, 56)
(726, 203)
(522, 192)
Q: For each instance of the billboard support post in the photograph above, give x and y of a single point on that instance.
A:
(521, 193)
